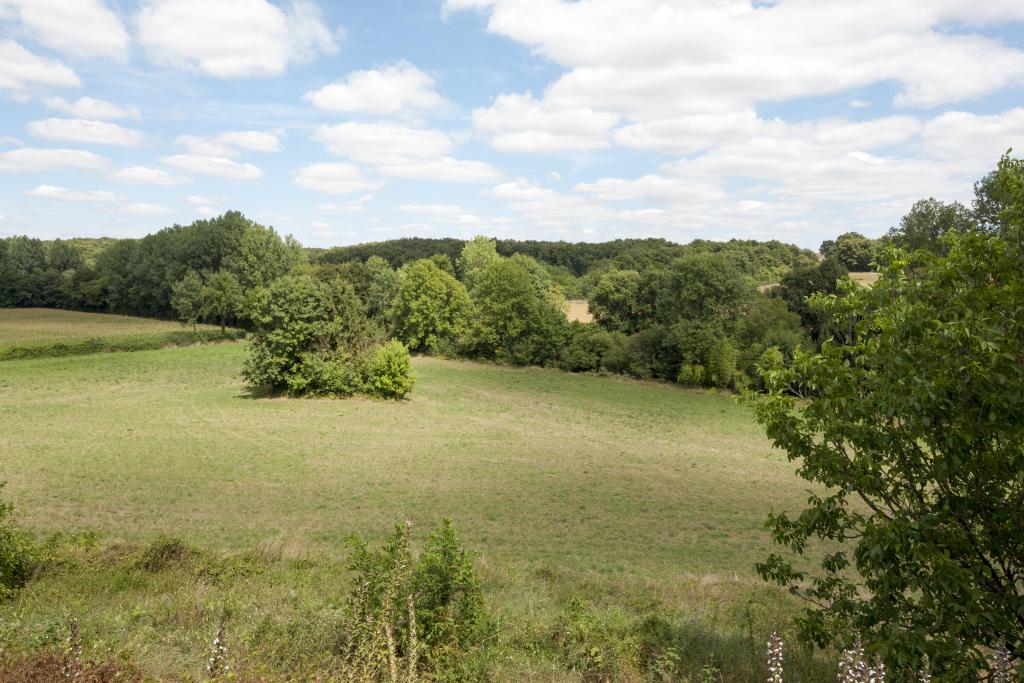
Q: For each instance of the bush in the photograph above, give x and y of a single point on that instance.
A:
(133, 342)
(17, 554)
(389, 371)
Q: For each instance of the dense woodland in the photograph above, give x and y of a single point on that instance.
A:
(690, 313)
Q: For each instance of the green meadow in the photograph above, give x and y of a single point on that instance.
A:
(590, 498)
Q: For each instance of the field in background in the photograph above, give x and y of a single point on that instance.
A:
(577, 310)
(865, 278)
(634, 500)
(21, 325)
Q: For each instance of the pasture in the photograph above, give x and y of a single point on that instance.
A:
(633, 499)
(24, 325)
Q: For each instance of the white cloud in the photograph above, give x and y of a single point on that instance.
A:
(335, 178)
(57, 192)
(397, 88)
(520, 123)
(85, 131)
(957, 136)
(145, 175)
(403, 152)
(663, 66)
(198, 200)
(207, 211)
(213, 166)
(83, 28)
(226, 144)
(447, 213)
(144, 209)
(92, 108)
(653, 188)
(233, 38)
(28, 159)
(20, 70)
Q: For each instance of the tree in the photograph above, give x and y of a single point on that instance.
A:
(927, 222)
(187, 298)
(615, 301)
(801, 283)
(431, 307)
(913, 429)
(381, 287)
(512, 322)
(479, 253)
(854, 251)
(704, 287)
(309, 336)
(222, 298)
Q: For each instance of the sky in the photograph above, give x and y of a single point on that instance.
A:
(584, 120)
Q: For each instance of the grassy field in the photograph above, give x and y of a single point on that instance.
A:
(629, 498)
(578, 310)
(21, 325)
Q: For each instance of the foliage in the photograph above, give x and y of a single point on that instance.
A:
(927, 222)
(222, 298)
(912, 425)
(615, 301)
(798, 286)
(479, 253)
(512, 321)
(298, 319)
(852, 249)
(389, 371)
(114, 343)
(17, 554)
(187, 298)
(430, 307)
(413, 613)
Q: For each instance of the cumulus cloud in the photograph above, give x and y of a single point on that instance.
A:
(62, 193)
(29, 159)
(144, 209)
(145, 175)
(213, 166)
(397, 88)
(664, 67)
(228, 143)
(92, 108)
(86, 131)
(207, 35)
(82, 28)
(335, 178)
(21, 70)
(403, 152)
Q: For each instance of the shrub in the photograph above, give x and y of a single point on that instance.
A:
(389, 371)
(430, 308)
(412, 613)
(17, 554)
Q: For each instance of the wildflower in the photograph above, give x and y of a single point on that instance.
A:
(775, 658)
(218, 662)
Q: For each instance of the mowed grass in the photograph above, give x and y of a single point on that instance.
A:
(532, 465)
(21, 325)
(595, 504)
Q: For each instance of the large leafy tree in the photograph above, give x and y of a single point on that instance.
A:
(430, 307)
(912, 427)
(854, 250)
(512, 321)
(927, 222)
(479, 253)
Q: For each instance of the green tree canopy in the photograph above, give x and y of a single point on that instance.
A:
(187, 298)
(479, 253)
(855, 251)
(512, 321)
(912, 428)
(927, 222)
(430, 307)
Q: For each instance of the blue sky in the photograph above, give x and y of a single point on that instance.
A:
(540, 119)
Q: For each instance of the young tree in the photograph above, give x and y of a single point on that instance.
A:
(476, 256)
(430, 307)
(187, 298)
(615, 301)
(913, 428)
(222, 298)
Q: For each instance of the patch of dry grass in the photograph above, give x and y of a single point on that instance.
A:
(577, 310)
